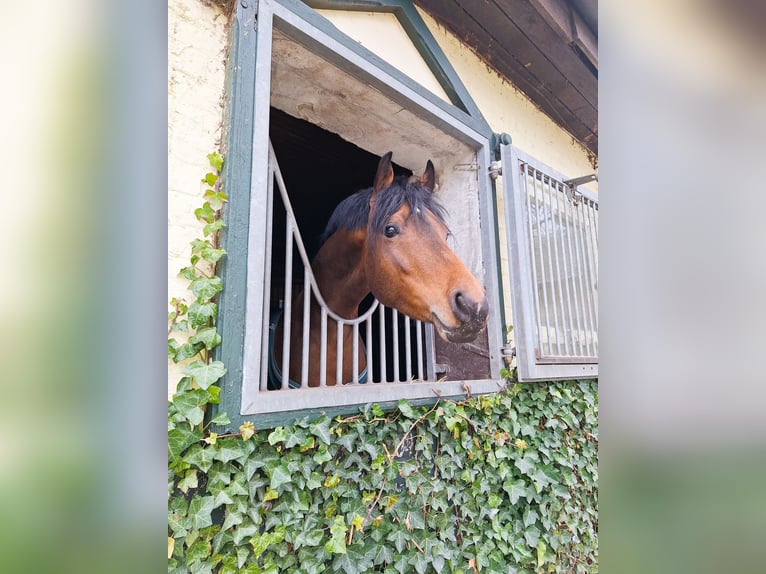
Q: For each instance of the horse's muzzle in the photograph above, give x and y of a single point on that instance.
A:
(471, 314)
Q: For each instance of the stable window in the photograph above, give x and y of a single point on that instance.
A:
(311, 112)
(552, 233)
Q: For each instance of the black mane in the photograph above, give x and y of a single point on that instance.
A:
(354, 212)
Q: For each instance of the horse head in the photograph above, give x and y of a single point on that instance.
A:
(410, 266)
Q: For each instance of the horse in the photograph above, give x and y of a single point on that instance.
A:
(389, 240)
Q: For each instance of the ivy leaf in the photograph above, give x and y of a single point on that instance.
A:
(399, 538)
(186, 351)
(205, 213)
(277, 435)
(208, 336)
(321, 429)
(205, 375)
(211, 228)
(200, 457)
(337, 542)
(261, 542)
(525, 465)
(406, 409)
(210, 179)
(205, 288)
(189, 404)
(279, 475)
(188, 481)
(541, 548)
(515, 489)
(216, 161)
(179, 439)
(220, 419)
(199, 512)
(201, 313)
(216, 199)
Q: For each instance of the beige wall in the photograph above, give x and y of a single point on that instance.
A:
(197, 42)
(197, 38)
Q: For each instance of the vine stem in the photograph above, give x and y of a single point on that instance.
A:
(391, 456)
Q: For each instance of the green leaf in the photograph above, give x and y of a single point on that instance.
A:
(201, 313)
(199, 512)
(205, 213)
(337, 542)
(230, 448)
(208, 336)
(220, 419)
(541, 548)
(216, 199)
(277, 435)
(179, 439)
(189, 273)
(199, 456)
(216, 161)
(279, 475)
(187, 351)
(189, 481)
(406, 409)
(210, 179)
(189, 404)
(261, 542)
(525, 464)
(205, 375)
(205, 288)
(515, 490)
(211, 228)
(321, 429)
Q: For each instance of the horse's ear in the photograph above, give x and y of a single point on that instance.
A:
(385, 175)
(428, 179)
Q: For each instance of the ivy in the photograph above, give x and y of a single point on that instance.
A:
(496, 483)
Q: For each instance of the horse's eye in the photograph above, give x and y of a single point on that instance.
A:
(391, 231)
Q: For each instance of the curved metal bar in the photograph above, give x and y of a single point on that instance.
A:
(302, 250)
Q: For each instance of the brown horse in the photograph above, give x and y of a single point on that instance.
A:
(389, 240)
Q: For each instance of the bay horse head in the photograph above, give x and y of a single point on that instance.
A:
(410, 266)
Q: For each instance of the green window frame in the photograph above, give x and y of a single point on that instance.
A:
(241, 303)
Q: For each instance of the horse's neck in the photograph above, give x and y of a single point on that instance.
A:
(339, 268)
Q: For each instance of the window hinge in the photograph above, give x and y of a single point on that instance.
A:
(508, 351)
(495, 169)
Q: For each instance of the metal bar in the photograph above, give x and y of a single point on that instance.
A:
(594, 270)
(408, 345)
(533, 260)
(266, 349)
(395, 328)
(572, 251)
(430, 358)
(561, 202)
(382, 333)
(580, 272)
(558, 303)
(338, 353)
(540, 260)
(355, 355)
(549, 260)
(287, 315)
(306, 332)
(419, 339)
(368, 347)
(589, 277)
(323, 349)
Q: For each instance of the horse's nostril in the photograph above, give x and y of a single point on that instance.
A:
(466, 310)
(461, 307)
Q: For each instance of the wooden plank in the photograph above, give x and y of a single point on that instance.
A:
(491, 32)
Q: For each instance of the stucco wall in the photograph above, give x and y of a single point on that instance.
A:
(197, 39)
(197, 42)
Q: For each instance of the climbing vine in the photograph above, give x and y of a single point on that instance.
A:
(495, 483)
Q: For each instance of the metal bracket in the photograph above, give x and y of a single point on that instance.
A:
(571, 186)
(495, 169)
(508, 351)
